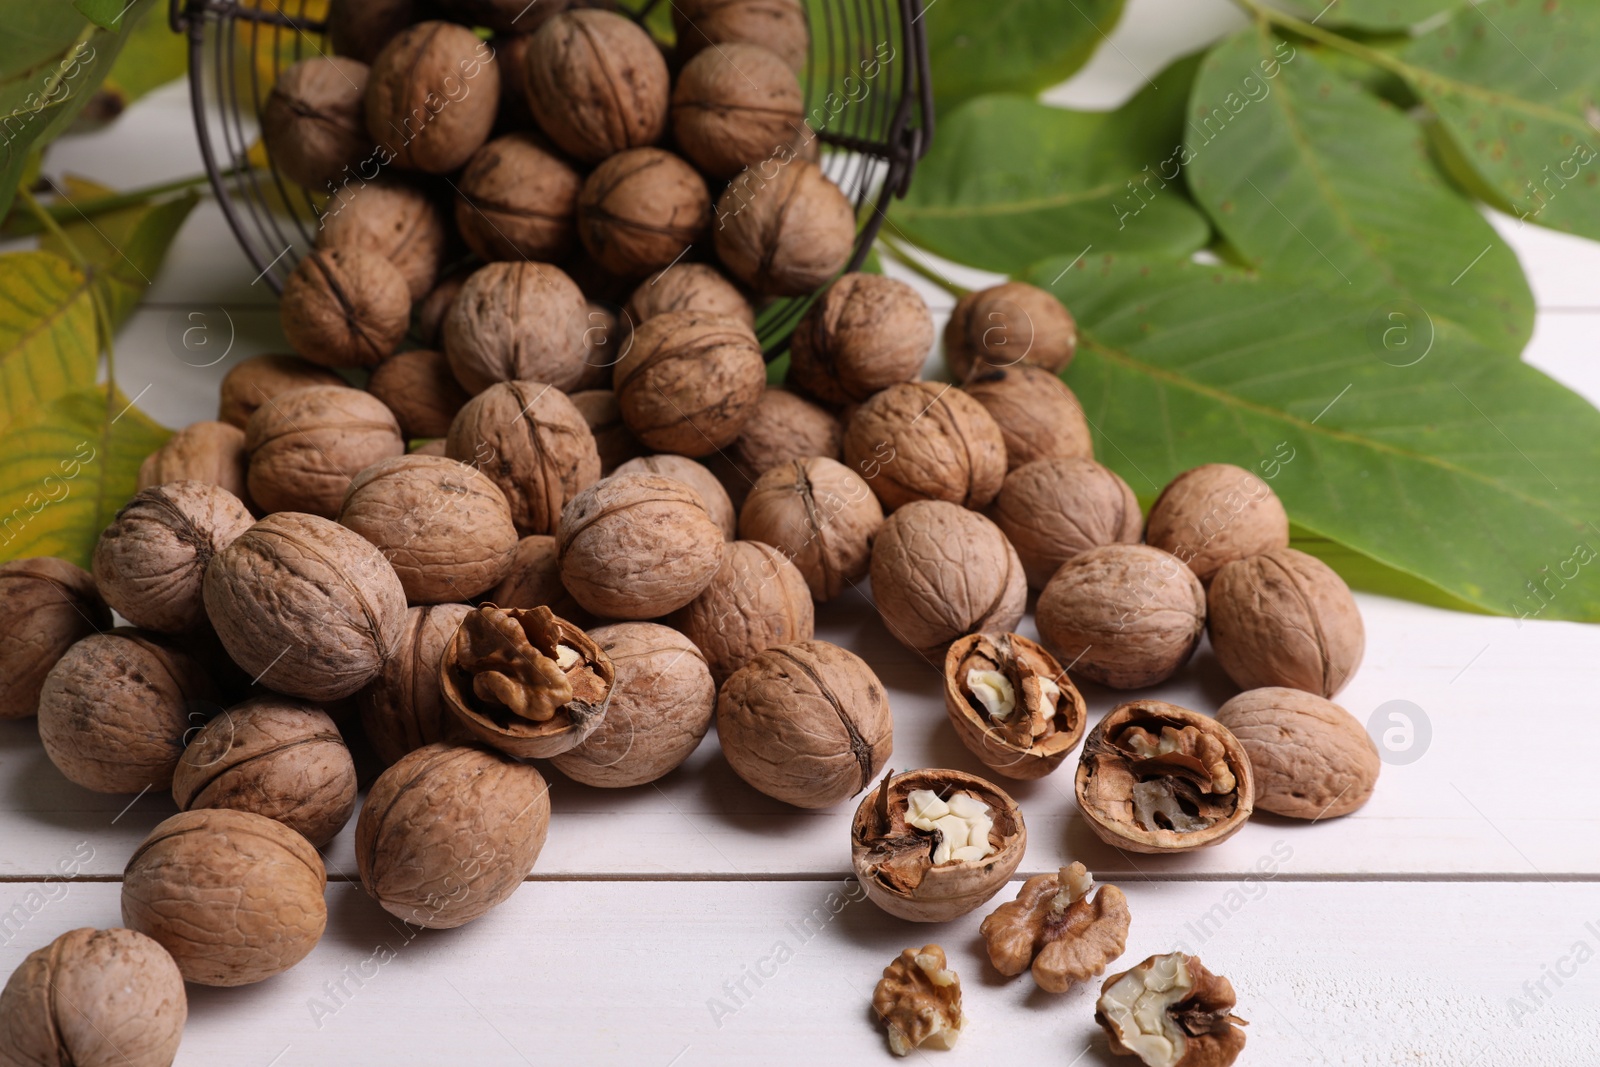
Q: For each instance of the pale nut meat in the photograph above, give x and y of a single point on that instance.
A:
(1038, 415)
(933, 845)
(1170, 1011)
(1284, 618)
(1053, 509)
(524, 681)
(93, 998)
(918, 1000)
(697, 477)
(1011, 704)
(305, 446)
(1056, 928)
(1156, 778)
(402, 708)
(233, 896)
(449, 832)
(662, 704)
(1212, 515)
(206, 451)
(819, 513)
(46, 606)
(756, 600)
(1311, 757)
(926, 441)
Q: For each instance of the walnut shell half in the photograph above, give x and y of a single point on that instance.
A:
(1157, 778)
(895, 860)
(526, 682)
(1171, 1012)
(1011, 704)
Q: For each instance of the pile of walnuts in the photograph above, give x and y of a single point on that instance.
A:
(575, 525)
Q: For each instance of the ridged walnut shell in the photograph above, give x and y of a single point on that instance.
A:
(1042, 728)
(1157, 778)
(612, 439)
(503, 677)
(519, 321)
(1038, 415)
(894, 861)
(234, 897)
(865, 333)
(516, 200)
(819, 513)
(784, 427)
(432, 96)
(597, 84)
(392, 219)
(46, 606)
(696, 476)
(926, 441)
(306, 446)
(1053, 509)
(1311, 757)
(1213, 515)
(449, 832)
(312, 124)
(757, 599)
(419, 388)
(534, 580)
(784, 234)
(402, 709)
(690, 381)
(206, 451)
(252, 382)
(93, 998)
(776, 25)
(640, 210)
(688, 287)
(734, 106)
(345, 307)
(1011, 323)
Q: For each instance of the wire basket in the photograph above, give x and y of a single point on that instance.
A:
(866, 82)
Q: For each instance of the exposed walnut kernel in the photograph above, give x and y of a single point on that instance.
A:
(1056, 926)
(919, 1000)
(1171, 1012)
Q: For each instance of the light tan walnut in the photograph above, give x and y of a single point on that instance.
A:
(1311, 757)
(1058, 929)
(919, 1000)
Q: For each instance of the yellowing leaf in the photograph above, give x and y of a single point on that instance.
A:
(48, 342)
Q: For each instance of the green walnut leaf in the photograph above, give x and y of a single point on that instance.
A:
(1471, 474)
(49, 338)
(1309, 178)
(1516, 88)
(1010, 180)
(152, 57)
(1011, 46)
(1371, 14)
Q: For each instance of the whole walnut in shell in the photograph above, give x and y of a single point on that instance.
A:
(444, 525)
(1156, 778)
(1311, 758)
(94, 998)
(344, 307)
(46, 606)
(1055, 928)
(690, 381)
(534, 579)
(932, 845)
(281, 758)
(394, 220)
(1127, 616)
(419, 388)
(306, 446)
(312, 124)
(1011, 323)
(640, 210)
(507, 15)
(517, 322)
(597, 84)
(1213, 515)
(697, 477)
(1287, 619)
(534, 443)
(661, 706)
(612, 439)
(776, 25)
(449, 832)
(1039, 417)
(360, 28)
(807, 724)
(433, 309)
(734, 106)
(402, 709)
(940, 572)
(233, 896)
(115, 710)
(201, 452)
(918, 1000)
(926, 441)
(756, 600)
(251, 382)
(784, 234)
(1011, 704)
(637, 546)
(866, 333)
(150, 562)
(783, 428)
(516, 200)
(1171, 1012)
(432, 96)
(819, 513)
(1054, 509)
(309, 608)
(688, 287)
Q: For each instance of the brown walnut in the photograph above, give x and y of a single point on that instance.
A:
(940, 572)
(1039, 417)
(1057, 929)
(776, 25)
(360, 28)
(756, 600)
(402, 708)
(201, 452)
(46, 606)
(734, 106)
(1312, 759)
(819, 513)
(309, 608)
(281, 758)
(688, 287)
(94, 998)
(933, 845)
(918, 1000)
(783, 428)
(1171, 1012)
(865, 333)
(785, 233)
(435, 307)
(1011, 323)
(1054, 509)
(432, 96)
(597, 84)
(344, 307)
(394, 220)
(690, 381)
(251, 382)
(517, 200)
(1127, 616)
(926, 441)
(1212, 515)
(419, 388)
(233, 896)
(508, 15)
(449, 832)
(534, 443)
(612, 439)
(534, 579)
(306, 446)
(149, 563)
(697, 477)
(1285, 618)
(1011, 704)
(1154, 777)
(312, 123)
(661, 706)
(518, 321)
(640, 210)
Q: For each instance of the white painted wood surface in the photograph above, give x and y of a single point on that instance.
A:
(1402, 934)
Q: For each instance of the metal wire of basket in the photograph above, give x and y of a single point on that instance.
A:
(868, 96)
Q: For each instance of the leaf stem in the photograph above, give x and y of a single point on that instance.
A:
(23, 227)
(49, 224)
(102, 314)
(1313, 32)
(902, 255)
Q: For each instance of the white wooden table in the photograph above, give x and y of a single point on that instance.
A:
(1454, 920)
